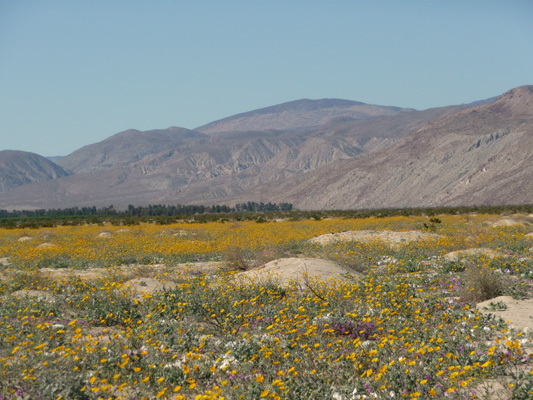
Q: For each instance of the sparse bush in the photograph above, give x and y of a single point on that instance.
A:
(236, 259)
(432, 226)
(481, 283)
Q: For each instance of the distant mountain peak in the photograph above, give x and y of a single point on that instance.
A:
(302, 105)
(298, 114)
(517, 101)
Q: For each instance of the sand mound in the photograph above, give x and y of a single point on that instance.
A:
(24, 239)
(285, 270)
(198, 268)
(4, 262)
(506, 222)
(519, 313)
(457, 255)
(391, 237)
(104, 235)
(529, 235)
(45, 245)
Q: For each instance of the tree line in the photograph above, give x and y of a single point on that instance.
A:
(151, 210)
(250, 211)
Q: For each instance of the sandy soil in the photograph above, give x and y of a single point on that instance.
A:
(45, 245)
(519, 313)
(457, 255)
(392, 237)
(507, 222)
(146, 286)
(285, 270)
(40, 294)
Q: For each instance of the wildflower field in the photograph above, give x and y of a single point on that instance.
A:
(160, 312)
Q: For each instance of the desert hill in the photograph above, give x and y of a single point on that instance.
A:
(126, 147)
(18, 168)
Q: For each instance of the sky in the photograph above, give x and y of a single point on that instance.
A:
(75, 72)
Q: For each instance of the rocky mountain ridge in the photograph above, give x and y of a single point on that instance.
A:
(482, 155)
(400, 157)
(298, 114)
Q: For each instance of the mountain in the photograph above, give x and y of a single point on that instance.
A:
(298, 114)
(481, 155)
(126, 147)
(464, 154)
(178, 165)
(18, 168)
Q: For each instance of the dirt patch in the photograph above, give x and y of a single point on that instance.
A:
(529, 235)
(40, 294)
(491, 389)
(285, 270)
(506, 222)
(198, 268)
(182, 234)
(45, 245)
(105, 235)
(457, 255)
(518, 313)
(91, 273)
(24, 239)
(146, 286)
(178, 272)
(391, 237)
(4, 262)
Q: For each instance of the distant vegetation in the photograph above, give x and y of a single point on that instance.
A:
(250, 211)
(161, 214)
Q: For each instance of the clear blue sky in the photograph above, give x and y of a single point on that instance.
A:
(74, 72)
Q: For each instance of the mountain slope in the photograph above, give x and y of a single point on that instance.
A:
(210, 168)
(18, 168)
(298, 114)
(126, 147)
(405, 159)
(482, 155)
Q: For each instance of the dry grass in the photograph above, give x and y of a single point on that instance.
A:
(236, 259)
(481, 283)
